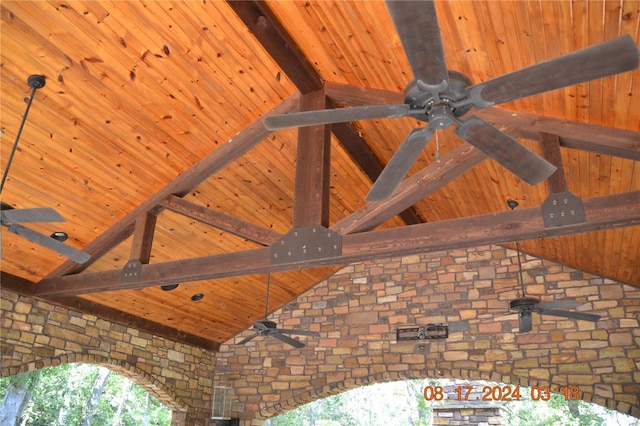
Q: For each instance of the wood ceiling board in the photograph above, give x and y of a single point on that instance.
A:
(229, 305)
(109, 94)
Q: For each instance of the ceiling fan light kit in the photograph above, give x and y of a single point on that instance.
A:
(440, 97)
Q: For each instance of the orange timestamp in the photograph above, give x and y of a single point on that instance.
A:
(498, 393)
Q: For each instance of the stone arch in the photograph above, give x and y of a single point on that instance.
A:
(141, 378)
(268, 410)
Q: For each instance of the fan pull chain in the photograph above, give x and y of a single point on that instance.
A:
(437, 148)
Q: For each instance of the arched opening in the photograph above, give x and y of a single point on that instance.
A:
(425, 402)
(80, 394)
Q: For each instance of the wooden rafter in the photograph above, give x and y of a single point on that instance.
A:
(225, 222)
(144, 230)
(311, 201)
(607, 212)
(587, 137)
(411, 190)
(550, 146)
(282, 48)
(196, 174)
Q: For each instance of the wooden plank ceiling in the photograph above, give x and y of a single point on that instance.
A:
(151, 118)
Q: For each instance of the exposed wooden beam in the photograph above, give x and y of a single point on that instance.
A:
(411, 190)
(313, 160)
(21, 286)
(144, 230)
(572, 134)
(366, 159)
(270, 33)
(582, 136)
(607, 212)
(225, 222)
(345, 94)
(550, 146)
(182, 184)
(283, 49)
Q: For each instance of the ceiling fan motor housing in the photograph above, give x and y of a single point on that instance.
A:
(419, 99)
(524, 303)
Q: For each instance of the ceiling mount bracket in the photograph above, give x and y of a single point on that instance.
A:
(304, 244)
(132, 271)
(561, 209)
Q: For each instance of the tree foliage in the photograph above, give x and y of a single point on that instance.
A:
(79, 394)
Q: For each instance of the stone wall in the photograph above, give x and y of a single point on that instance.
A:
(358, 310)
(37, 335)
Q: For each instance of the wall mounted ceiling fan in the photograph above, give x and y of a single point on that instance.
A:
(440, 97)
(12, 218)
(267, 328)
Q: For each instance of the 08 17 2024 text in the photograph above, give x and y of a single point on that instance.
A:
(498, 393)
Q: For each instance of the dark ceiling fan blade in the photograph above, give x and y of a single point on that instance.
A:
(597, 61)
(515, 157)
(299, 332)
(288, 340)
(38, 214)
(571, 315)
(417, 26)
(557, 304)
(524, 322)
(248, 339)
(50, 243)
(337, 115)
(399, 164)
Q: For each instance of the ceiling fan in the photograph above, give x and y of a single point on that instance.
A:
(269, 328)
(12, 218)
(440, 97)
(524, 306)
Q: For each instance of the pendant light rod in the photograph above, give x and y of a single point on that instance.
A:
(512, 205)
(35, 82)
(266, 302)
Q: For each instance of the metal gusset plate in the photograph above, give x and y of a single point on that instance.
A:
(304, 244)
(561, 209)
(132, 271)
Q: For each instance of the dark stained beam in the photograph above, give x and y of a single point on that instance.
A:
(282, 48)
(607, 212)
(143, 232)
(572, 134)
(21, 286)
(270, 33)
(411, 190)
(225, 222)
(369, 163)
(313, 161)
(345, 94)
(550, 147)
(181, 185)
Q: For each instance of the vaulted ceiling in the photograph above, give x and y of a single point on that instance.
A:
(148, 139)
